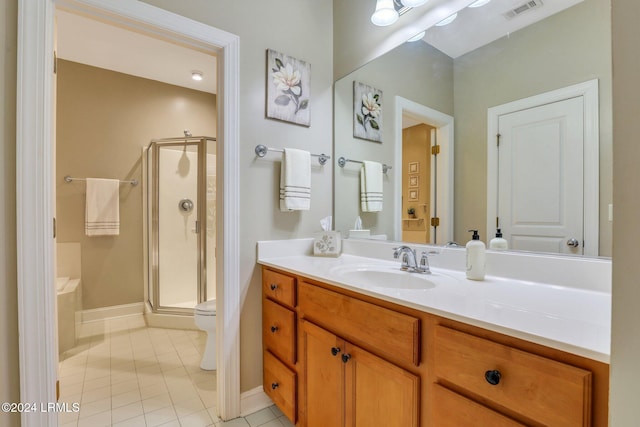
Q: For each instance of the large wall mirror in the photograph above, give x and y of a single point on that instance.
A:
(500, 70)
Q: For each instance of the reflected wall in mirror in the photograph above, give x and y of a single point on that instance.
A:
(567, 48)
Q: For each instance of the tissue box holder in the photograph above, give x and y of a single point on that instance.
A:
(327, 243)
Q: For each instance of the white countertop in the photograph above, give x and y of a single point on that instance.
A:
(567, 318)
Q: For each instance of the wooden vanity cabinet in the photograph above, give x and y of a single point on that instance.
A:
(351, 360)
(345, 385)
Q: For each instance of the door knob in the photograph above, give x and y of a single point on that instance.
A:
(573, 243)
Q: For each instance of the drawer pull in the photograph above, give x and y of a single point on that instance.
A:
(346, 357)
(274, 329)
(335, 350)
(493, 377)
(274, 386)
(273, 286)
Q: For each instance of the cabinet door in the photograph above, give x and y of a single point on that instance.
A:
(323, 393)
(378, 393)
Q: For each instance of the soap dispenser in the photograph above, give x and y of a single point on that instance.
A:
(498, 243)
(476, 255)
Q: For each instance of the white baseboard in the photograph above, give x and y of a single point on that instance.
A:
(253, 400)
(113, 311)
(170, 321)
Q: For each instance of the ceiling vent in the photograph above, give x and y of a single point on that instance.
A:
(525, 7)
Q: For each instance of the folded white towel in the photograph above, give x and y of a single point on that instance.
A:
(102, 212)
(295, 180)
(371, 186)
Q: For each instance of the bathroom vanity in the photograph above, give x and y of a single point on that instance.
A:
(347, 345)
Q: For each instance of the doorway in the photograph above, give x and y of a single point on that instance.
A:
(36, 292)
(439, 207)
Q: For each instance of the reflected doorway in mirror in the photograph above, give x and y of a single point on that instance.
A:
(367, 112)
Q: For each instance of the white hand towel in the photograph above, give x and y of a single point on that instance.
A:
(102, 212)
(295, 180)
(371, 186)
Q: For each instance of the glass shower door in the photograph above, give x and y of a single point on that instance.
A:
(177, 226)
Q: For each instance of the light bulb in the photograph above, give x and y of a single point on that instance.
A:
(385, 13)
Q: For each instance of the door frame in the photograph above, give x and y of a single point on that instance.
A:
(444, 173)
(591, 196)
(34, 190)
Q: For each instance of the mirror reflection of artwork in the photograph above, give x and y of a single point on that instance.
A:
(414, 167)
(288, 87)
(413, 181)
(367, 112)
(413, 195)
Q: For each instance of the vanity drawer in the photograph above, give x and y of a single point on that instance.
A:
(376, 328)
(540, 389)
(279, 383)
(453, 410)
(279, 330)
(279, 287)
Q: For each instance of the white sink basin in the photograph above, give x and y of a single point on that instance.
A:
(378, 276)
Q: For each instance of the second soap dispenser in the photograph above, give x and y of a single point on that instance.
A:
(476, 257)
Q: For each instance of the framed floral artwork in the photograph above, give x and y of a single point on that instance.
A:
(367, 112)
(288, 88)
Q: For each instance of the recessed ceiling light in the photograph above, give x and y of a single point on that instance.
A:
(479, 3)
(417, 37)
(196, 75)
(447, 20)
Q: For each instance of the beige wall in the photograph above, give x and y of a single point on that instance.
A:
(104, 118)
(301, 29)
(625, 345)
(391, 74)
(568, 48)
(10, 380)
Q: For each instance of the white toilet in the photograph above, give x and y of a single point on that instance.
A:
(205, 318)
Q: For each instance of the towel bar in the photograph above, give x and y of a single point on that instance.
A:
(343, 161)
(261, 151)
(133, 182)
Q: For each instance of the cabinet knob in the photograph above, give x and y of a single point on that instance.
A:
(335, 350)
(273, 286)
(274, 385)
(274, 329)
(493, 377)
(346, 357)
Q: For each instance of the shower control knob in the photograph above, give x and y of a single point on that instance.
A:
(185, 205)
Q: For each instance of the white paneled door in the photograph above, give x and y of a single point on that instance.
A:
(540, 177)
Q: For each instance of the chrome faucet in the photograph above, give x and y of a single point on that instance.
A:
(409, 261)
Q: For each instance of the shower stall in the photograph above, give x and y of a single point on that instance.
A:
(180, 229)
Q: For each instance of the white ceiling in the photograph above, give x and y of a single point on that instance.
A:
(95, 43)
(476, 27)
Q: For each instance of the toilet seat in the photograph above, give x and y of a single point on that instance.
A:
(206, 308)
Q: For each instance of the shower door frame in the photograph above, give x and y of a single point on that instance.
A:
(201, 221)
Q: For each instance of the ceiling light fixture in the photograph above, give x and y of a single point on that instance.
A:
(447, 20)
(417, 37)
(196, 75)
(385, 13)
(413, 3)
(479, 3)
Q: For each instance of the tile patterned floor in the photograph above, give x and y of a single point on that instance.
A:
(123, 373)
